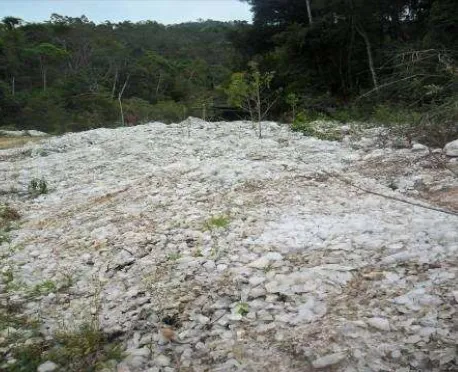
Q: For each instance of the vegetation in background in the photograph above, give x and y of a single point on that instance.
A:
(67, 74)
(383, 61)
(84, 349)
(388, 62)
(250, 91)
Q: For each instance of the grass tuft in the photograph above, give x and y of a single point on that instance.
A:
(217, 222)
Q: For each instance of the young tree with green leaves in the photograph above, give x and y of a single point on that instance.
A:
(251, 92)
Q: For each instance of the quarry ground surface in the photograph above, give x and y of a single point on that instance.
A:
(253, 251)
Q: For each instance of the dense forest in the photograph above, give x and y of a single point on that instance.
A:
(390, 61)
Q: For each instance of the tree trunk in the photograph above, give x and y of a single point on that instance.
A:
(204, 112)
(158, 84)
(13, 86)
(119, 99)
(369, 55)
(309, 12)
(113, 89)
(44, 80)
(258, 109)
(43, 73)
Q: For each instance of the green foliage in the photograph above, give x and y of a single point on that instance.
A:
(8, 217)
(38, 186)
(439, 125)
(28, 357)
(86, 349)
(392, 115)
(42, 111)
(174, 256)
(8, 214)
(414, 58)
(242, 308)
(312, 124)
(45, 288)
(167, 111)
(247, 90)
(49, 50)
(217, 222)
(292, 100)
(66, 74)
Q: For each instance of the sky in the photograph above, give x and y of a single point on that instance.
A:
(162, 11)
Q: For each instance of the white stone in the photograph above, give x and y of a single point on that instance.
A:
(256, 280)
(162, 360)
(451, 148)
(381, 324)
(455, 295)
(87, 258)
(260, 263)
(47, 367)
(418, 147)
(8, 331)
(136, 198)
(257, 292)
(273, 256)
(328, 360)
(142, 352)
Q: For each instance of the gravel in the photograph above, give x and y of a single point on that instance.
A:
(306, 271)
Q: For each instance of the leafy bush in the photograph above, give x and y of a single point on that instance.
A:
(8, 216)
(86, 349)
(393, 115)
(91, 111)
(439, 125)
(167, 112)
(42, 111)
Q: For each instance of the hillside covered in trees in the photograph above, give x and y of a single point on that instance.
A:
(68, 73)
(384, 61)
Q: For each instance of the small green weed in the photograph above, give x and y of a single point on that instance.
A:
(174, 256)
(305, 123)
(214, 251)
(8, 217)
(197, 252)
(216, 222)
(86, 349)
(38, 186)
(268, 268)
(45, 288)
(8, 214)
(242, 308)
(4, 237)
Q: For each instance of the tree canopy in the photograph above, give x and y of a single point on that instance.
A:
(67, 73)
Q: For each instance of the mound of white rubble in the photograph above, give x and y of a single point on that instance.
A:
(263, 260)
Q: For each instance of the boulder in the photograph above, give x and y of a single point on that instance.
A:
(451, 148)
(418, 147)
(47, 367)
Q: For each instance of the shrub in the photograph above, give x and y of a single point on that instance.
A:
(42, 111)
(38, 187)
(307, 123)
(86, 349)
(168, 112)
(8, 215)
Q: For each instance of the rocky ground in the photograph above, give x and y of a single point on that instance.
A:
(199, 247)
